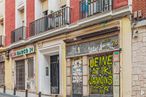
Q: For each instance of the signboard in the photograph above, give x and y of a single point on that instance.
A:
(24, 51)
(107, 44)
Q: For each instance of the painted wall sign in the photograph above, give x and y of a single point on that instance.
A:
(77, 80)
(101, 75)
(107, 44)
(24, 51)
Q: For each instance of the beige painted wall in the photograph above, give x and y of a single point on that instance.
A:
(125, 60)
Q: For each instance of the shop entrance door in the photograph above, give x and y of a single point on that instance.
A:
(20, 75)
(54, 60)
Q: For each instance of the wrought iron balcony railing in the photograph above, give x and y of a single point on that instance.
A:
(18, 34)
(51, 21)
(92, 7)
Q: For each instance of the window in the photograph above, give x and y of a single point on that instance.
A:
(45, 13)
(30, 62)
(2, 73)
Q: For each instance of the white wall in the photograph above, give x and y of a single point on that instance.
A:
(2, 15)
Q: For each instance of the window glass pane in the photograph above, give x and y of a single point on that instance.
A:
(30, 63)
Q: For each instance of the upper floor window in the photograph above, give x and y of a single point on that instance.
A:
(45, 7)
(1, 26)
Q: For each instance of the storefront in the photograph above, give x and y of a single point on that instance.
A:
(23, 60)
(93, 65)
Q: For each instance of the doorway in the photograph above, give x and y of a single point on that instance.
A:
(54, 71)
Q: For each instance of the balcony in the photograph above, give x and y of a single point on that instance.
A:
(18, 34)
(92, 7)
(54, 20)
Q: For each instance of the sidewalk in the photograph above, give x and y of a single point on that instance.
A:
(6, 95)
(9, 93)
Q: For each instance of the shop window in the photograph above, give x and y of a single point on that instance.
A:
(77, 77)
(30, 62)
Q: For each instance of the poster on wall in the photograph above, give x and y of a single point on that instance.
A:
(77, 80)
(101, 75)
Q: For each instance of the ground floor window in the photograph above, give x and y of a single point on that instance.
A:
(77, 77)
(24, 72)
(30, 62)
(2, 73)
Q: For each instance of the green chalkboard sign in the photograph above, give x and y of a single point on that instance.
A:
(25, 51)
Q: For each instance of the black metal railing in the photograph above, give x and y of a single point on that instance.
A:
(18, 34)
(51, 21)
(92, 7)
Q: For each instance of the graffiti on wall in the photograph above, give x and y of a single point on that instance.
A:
(107, 44)
(101, 75)
(77, 79)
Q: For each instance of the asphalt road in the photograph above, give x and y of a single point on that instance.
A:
(6, 95)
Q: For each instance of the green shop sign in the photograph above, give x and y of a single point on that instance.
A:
(25, 51)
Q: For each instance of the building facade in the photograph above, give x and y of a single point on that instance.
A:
(2, 40)
(68, 48)
(138, 49)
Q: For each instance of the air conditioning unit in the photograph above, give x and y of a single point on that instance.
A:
(135, 14)
(139, 13)
(2, 40)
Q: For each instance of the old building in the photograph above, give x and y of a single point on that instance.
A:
(68, 48)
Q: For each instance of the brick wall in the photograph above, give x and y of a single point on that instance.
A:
(74, 10)
(139, 63)
(139, 5)
(9, 19)
(30, 12)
